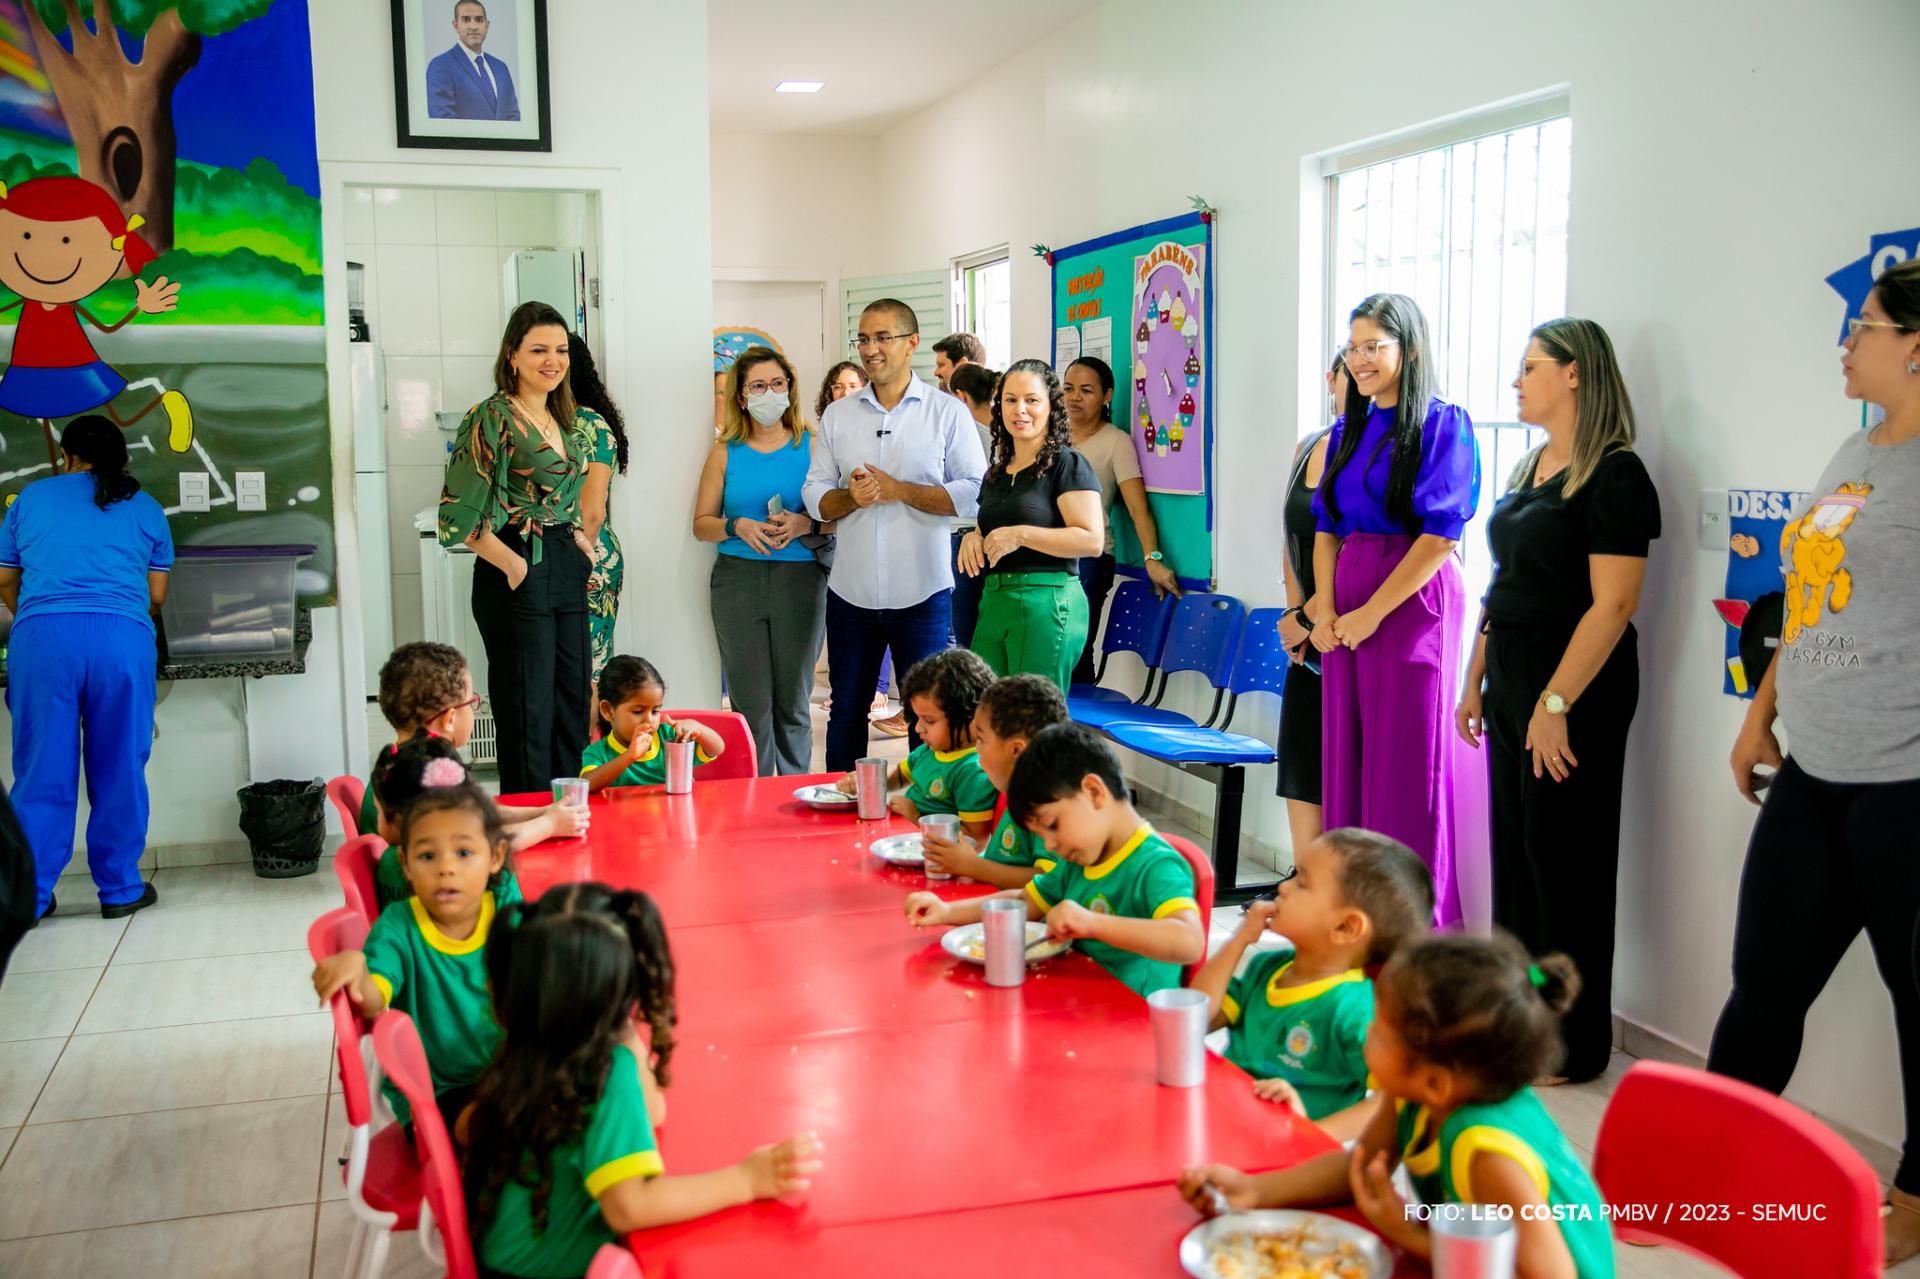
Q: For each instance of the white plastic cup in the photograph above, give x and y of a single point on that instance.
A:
(570, 792)
(680, 767)
(1003, 922)
(1179, 1019)
(942, 826)
(870, 788)
(1473, 1241)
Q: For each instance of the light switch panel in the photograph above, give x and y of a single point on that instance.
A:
(250, 490)
(195, 492)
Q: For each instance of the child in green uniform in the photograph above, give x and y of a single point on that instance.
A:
(1461, 1025)
(1297, 1016)
(634, 730)
(426, 691)
(943, 775)
(561, 1157)
(1120, 891)
(1010, 712)
(426, 955)
(397, 783)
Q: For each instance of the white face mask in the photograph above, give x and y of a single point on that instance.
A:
(768, 408)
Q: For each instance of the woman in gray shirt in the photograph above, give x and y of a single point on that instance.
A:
(1833, 850)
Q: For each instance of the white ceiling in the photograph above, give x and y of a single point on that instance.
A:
(881, 62)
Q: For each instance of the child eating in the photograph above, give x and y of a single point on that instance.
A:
(426, 956)
(1121, 891)
(1461, 1024)
(943, 775)
(1010, 713)
(634, 730)
(1298, 1015)
(561, 1157)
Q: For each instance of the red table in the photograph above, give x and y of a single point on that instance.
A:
(960, 1123)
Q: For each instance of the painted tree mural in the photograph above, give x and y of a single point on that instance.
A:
(118, 106)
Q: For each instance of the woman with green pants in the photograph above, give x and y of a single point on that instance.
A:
(1039, 513)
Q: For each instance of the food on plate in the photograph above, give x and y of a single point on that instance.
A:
(1287, 1254)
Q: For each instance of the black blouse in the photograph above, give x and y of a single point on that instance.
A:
(1027, 498)
(1541, 540)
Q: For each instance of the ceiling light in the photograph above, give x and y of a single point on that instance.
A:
(799, 86)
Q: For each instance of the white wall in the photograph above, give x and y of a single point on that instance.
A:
(638, 141)
(1726, 158)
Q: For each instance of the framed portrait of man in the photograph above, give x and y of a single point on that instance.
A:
(471, 74)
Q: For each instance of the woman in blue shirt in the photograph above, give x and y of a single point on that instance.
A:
(1389, 610)
(84, 558)
(769, 595)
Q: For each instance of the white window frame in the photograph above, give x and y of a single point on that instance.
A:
(963, 318)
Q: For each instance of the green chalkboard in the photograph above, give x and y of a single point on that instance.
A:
(1142, 299)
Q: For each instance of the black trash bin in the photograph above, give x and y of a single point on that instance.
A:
(285, 822)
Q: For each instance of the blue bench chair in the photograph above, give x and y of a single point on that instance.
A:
(1136, 623)
(1213, 752)
(1200, 638)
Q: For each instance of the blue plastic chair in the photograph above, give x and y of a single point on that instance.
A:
(1136, 623)
(1201, 637)
(1215, 754)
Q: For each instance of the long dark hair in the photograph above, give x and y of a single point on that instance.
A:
(1059, 436)
(527, 317)
(103, 447)
(589, 392)
(825, 397)
(1401, 318)
(567, 974)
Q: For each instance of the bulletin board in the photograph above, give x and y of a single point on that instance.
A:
(1142, 300)
(1751, 606)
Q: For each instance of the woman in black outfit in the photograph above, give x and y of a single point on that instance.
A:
(1299, 748)
(1559, 664)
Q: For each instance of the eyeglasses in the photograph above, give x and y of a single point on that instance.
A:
(1272, 892)
(1366, 352)
(863, 342)
(1855, 325)
(471, 704)
(778, 386)
(1527, 362)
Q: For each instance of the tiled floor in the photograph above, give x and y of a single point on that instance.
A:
(164, 1091)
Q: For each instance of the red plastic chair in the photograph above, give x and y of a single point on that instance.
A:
(1750, 1148)
(443, 1204)
(356, 866)
(614, 1262)
(382, 1176)
(1202, 892)
(347, 794)
(739, 759)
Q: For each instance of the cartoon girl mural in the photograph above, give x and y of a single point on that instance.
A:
(63, 239)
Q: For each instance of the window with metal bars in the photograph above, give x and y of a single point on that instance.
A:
(1475, 230)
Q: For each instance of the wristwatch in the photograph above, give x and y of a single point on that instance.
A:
(1555, 704)
(731, 521)
(1156, 557)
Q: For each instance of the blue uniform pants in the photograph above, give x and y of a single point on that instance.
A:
(72, 676)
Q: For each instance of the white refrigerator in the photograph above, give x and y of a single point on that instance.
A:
(370, 504)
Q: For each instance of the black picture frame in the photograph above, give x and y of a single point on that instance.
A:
(414, 47)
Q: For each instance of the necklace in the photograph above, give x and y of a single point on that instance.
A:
(548, 429)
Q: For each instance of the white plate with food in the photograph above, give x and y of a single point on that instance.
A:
(829, 797)
(969, 942)
(899, 850)
(1275, 1242)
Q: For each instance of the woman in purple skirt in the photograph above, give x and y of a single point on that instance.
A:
(1388, 611)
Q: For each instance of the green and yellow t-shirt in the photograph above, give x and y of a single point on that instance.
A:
(617, 1145)
(950, 782)
(1312, 1035)
(1146, 879)
(1012, 844)
(649, 770)
(1440, 1166)
(442, 985)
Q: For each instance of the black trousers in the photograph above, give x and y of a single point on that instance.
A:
(1096, 579)
(1826, 859)
(1556, 845)
(538, 662)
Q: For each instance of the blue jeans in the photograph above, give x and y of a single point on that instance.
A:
(966, 599)
(856, 639)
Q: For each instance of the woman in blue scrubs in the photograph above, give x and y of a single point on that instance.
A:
(84, 558)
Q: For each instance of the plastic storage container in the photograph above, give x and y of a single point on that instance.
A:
(231, 603)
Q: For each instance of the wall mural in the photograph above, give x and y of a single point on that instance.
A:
(160, 255)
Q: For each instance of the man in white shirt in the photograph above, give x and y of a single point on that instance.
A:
(465, 82)
(892, 465)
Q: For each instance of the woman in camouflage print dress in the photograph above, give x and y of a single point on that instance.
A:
(609, 454)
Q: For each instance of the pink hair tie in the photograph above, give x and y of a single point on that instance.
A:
(442, 772)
